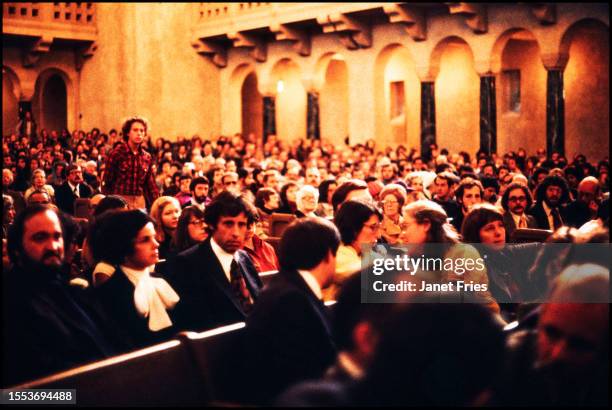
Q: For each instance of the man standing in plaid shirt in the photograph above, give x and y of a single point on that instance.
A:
(128, 167)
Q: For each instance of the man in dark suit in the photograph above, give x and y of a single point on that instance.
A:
(515, 201)
(289, 330)
(216, 280)
(74, 187)
(584, 208)
(49, 326)
(548, 211)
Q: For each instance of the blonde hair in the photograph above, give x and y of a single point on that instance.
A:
(156, 213)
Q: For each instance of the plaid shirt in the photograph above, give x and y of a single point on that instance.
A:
(130, 174)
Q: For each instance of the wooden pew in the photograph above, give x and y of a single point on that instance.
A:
(162, 374)
(522, 235)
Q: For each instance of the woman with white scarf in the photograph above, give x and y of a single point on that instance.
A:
(138, 303)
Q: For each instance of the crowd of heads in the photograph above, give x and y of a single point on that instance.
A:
(350, 196)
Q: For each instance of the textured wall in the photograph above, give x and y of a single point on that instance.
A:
(527, 128)
(334, 103)
(457, 100)
(587, 93)
(145, 65)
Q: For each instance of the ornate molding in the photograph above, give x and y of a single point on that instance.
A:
(84, 53)
(216, 51)
(258, 46)
(474, 14)
(40, 46)
(353, 33)
(412, 19)
(301, 39)
(546, 13)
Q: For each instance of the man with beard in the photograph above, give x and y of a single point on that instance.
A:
(73, 188)
(515, 201)
(47, 326)
(566, 361)
(199, 193)
(551, 194)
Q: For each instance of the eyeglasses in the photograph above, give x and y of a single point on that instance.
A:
(517, 199)
(197, 222)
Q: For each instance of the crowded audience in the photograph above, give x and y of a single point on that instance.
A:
(175, 234)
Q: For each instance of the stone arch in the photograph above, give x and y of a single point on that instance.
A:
(286, 77)
(587, 84)
(245, 116)
(395, 65)
(330, 80)
(521, 117)
(457, 95)
(49, 113)
(11, 92)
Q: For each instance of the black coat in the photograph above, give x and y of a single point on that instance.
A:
(116, 298)
(538, 212)
(290, 336)
(207, 300)
(65, 198)
(48, 327)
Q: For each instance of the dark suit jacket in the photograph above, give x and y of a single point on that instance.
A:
(116, 299)
(577, 214)
(538, 212)
(290, 336)
(511, 226)
(207, 300)
(65, 198)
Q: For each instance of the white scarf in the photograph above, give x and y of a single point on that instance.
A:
(152, 296)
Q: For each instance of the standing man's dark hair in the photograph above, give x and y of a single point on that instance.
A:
(127, 126)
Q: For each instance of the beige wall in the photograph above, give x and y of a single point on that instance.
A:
(457, 90)
(587, 87)
(252, 107)
(9, 104)
(527, 128)
(145, 65)
(333, 103)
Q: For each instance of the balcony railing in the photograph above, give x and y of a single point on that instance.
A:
(68, 21)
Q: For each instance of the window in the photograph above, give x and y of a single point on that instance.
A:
(397, 98)
(512, 83)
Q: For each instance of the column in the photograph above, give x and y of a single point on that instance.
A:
(362, 113)
(428, 118)
(488, 118)
(313, 129)
(269, 116)
(555, 112)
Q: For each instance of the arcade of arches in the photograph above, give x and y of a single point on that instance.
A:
(396, 90)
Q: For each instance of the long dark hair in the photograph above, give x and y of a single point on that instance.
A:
(182, 240)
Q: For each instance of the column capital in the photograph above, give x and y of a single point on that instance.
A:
(555, 61)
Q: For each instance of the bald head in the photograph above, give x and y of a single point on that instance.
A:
(588, 189)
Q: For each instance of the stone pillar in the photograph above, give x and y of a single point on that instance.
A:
(428, 118)
(555, 112)
(269, 116)
(313, 129)
(488, 117)
(361, 107)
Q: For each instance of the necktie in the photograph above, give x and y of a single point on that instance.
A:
(557, 222)
(239, 287)
(76, 191)
(522, 222)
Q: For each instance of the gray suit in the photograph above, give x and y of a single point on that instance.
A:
(511, 226)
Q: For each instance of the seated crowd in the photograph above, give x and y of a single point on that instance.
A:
(83, 284)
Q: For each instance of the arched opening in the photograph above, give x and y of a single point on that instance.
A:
(10, 101)
(252, 108)
(397, 97)
(587, 90)
(457, 93)
(333, 101)
(54, 104)
(290, 100)
(521, 95)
